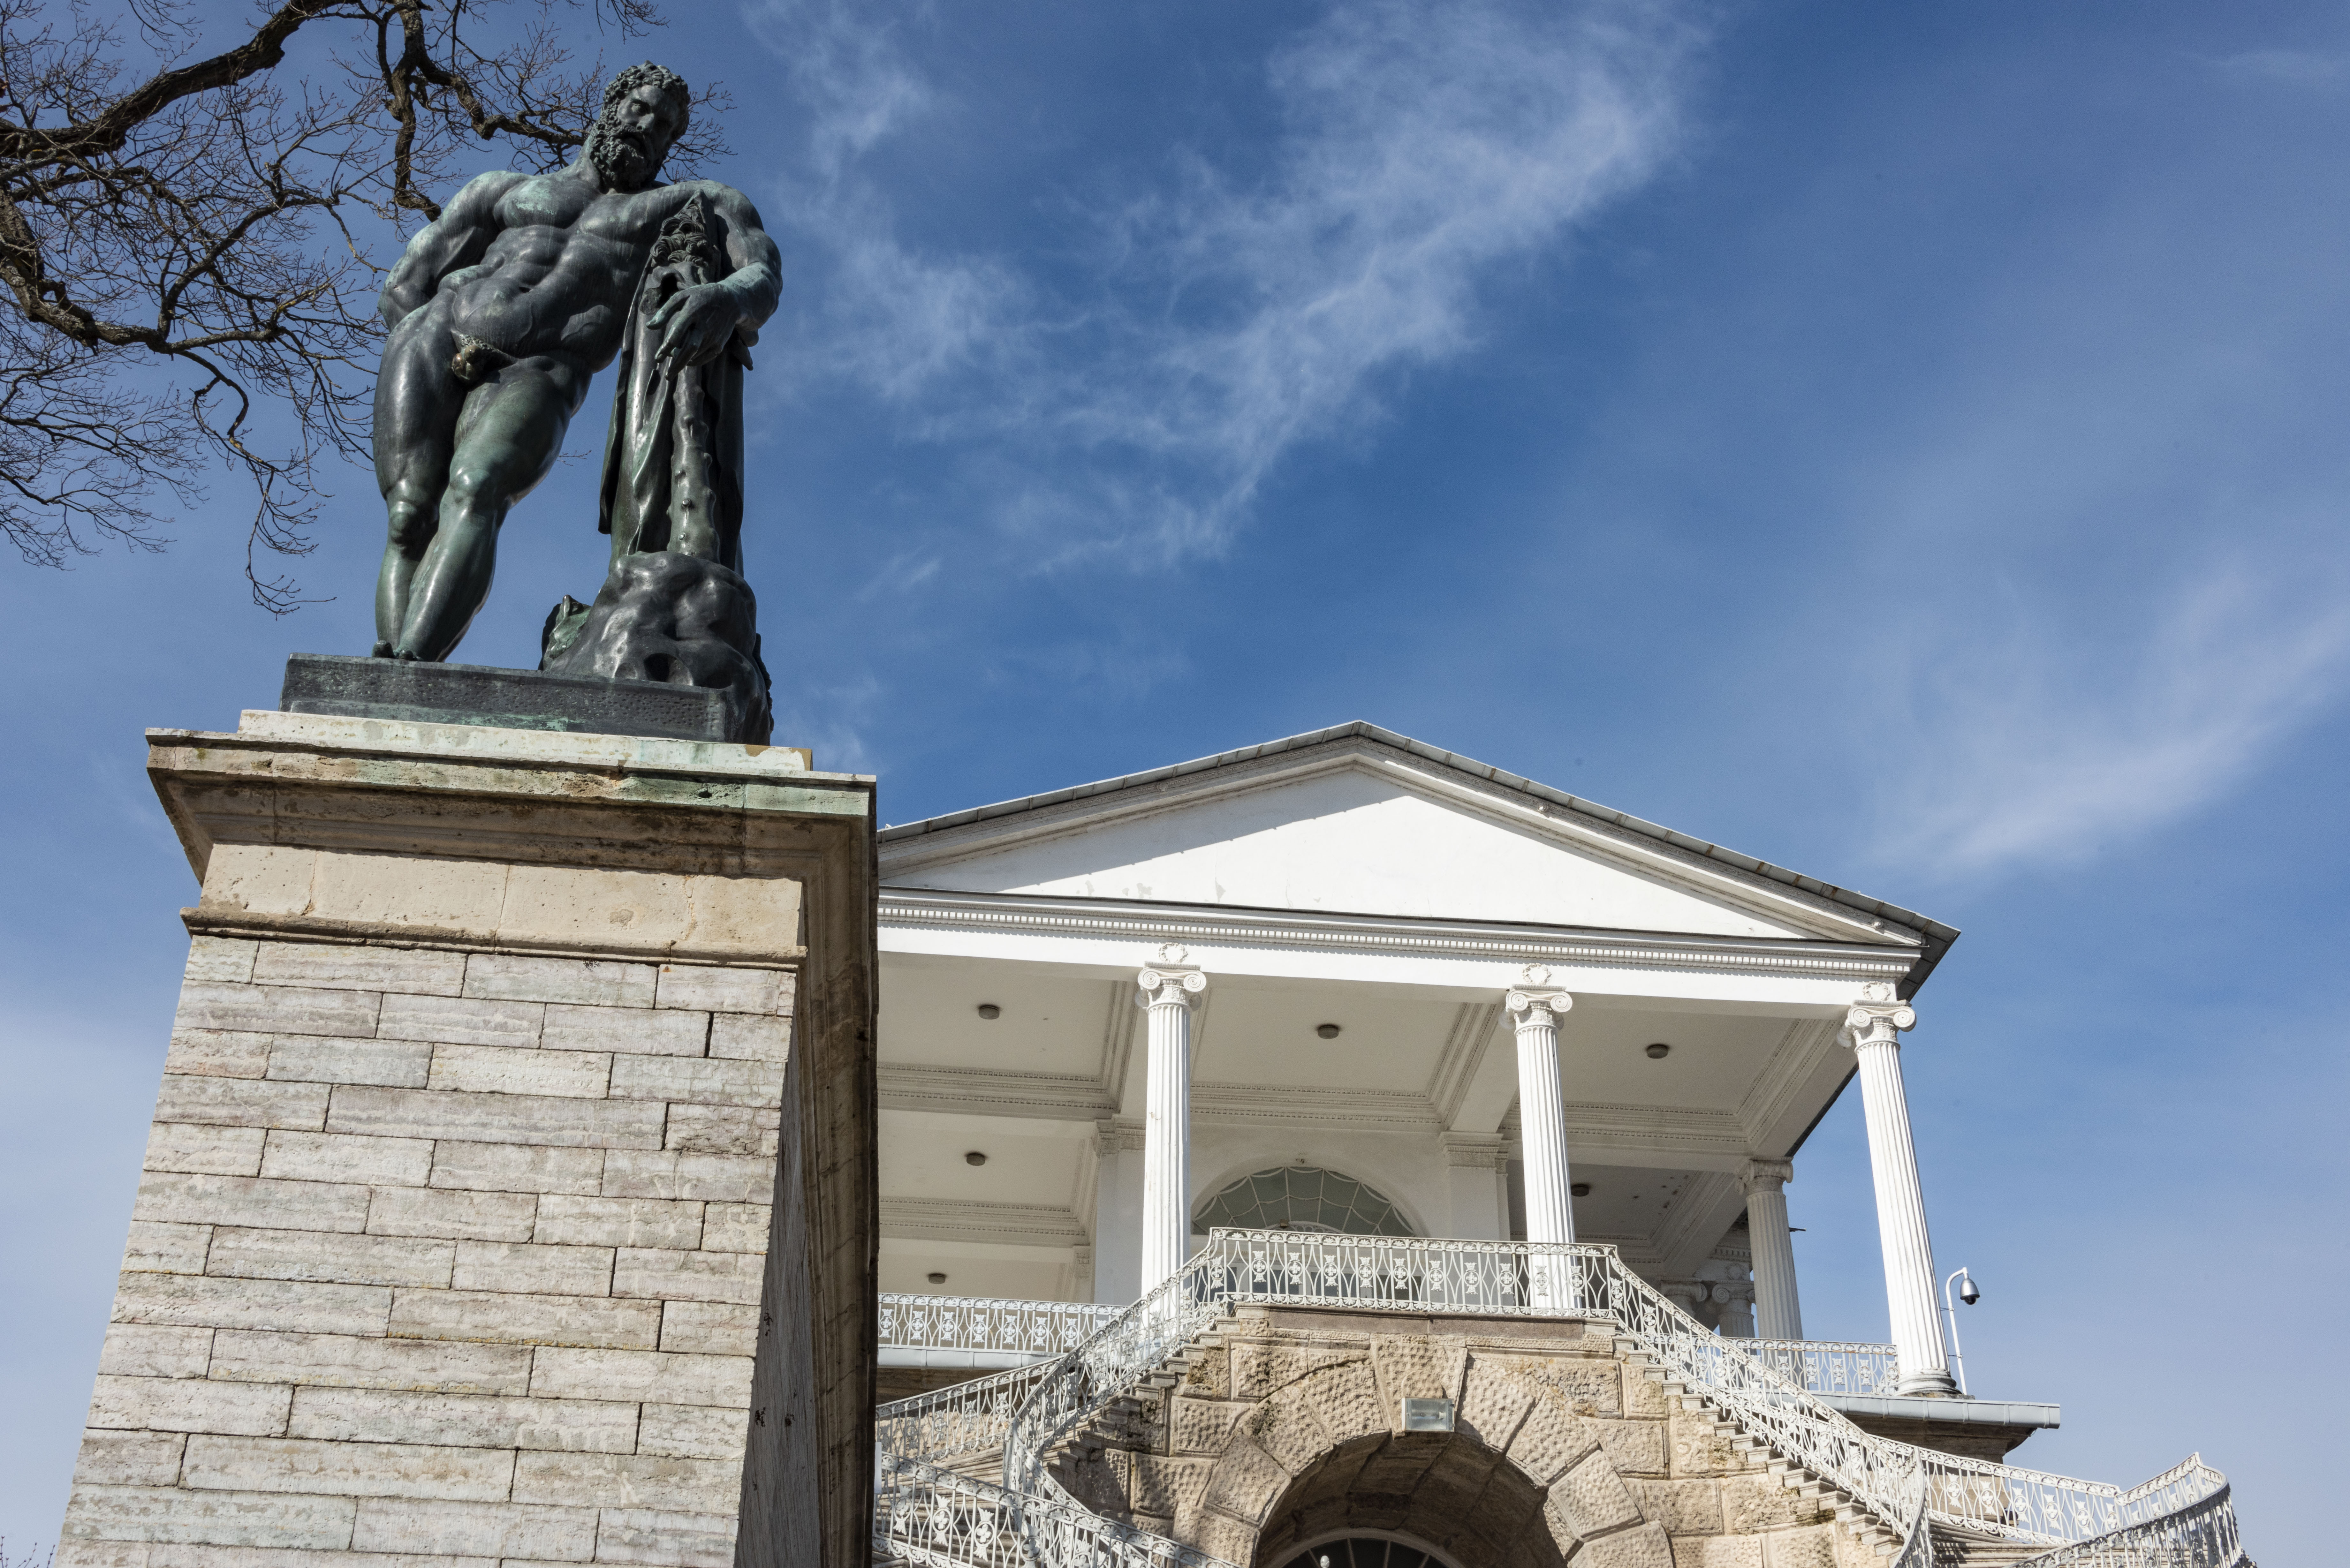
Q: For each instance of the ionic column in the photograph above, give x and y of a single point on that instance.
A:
(1117, 1212)
(1779, 1315)
(1541, 1105)
(1170, 987)
(1535, 1008)
(1873, 1028)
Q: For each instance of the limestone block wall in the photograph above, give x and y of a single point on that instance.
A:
(440, 1257)
(1289, 1432)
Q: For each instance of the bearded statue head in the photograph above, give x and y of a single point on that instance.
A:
(646, 109)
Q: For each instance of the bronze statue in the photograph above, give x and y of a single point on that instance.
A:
(501, 310)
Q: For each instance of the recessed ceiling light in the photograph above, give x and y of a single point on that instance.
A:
(974, 1157)
(1660, 1050)
(989, 1009)
(1327, 1031)
(935, 1278)
(1579, 1189)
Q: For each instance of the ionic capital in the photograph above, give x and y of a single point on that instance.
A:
(1768, 1175)
(1171, 979)
(1534, 1001)
(1876, 1022)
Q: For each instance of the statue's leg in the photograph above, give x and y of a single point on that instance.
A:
(507, 439)
(416, 401)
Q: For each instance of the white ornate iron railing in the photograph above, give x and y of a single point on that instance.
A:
(2056, 1510)
(950, 1423)
(937, 1519)
(1829, 1365)
(2189, 1517)
(1030, 1412)
(971, 1323)
(2032, 1506)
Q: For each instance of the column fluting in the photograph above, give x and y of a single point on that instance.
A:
(1535, 1008)
(1873, 1029)
(1778, 1314)
(1168, 992)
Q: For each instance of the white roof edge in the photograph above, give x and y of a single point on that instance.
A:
(1938, 937)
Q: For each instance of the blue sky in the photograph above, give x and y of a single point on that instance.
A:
(1901, 441)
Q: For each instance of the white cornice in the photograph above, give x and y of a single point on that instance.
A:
(1053, 1096)
(1464, 1049)
(1001, 1224)
(1655, 1127)
(1385, 1109)
(1706, 1207)
(988, 1092)
(1792, 1061)
(1118, 1030)
(1014, 914)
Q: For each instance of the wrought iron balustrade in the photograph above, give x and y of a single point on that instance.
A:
(936, 1519)
(1770, 1388)
(1829, 1365)
(979, 1324)
(2032, 1506)
(2187, 1517)
(961, 1419)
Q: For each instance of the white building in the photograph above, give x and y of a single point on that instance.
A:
(1347, 982)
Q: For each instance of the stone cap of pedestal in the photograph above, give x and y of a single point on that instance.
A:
(319, 828)
(1946, 1411)
(558, 748)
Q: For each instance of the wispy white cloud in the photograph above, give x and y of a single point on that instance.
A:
(2031, 748)
(2283, 66)
(1219, 318)
(886, 318)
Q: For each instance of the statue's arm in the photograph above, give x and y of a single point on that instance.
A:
(757, 280)
(697, 323)
(458, 238)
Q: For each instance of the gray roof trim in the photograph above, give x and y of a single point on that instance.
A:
(1937, 937)
(1962, 1411)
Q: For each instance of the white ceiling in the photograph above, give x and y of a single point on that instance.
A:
(1052, 1021)
(1259, 1031)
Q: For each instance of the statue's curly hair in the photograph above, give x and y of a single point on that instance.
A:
(673, 86)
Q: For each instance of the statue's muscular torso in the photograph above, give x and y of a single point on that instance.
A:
(540, 264)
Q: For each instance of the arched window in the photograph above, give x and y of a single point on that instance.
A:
(1303, 1197)
(1365, 1552)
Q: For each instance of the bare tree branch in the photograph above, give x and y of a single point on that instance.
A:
(218, 221)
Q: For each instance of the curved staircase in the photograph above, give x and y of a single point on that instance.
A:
(964, 1477)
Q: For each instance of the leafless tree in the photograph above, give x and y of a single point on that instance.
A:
(190, 252)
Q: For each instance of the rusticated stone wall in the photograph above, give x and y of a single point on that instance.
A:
(1290, 1432)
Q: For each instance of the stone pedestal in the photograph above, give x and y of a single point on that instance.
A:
(511, 1194)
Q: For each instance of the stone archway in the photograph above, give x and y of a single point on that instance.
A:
(1285, 1428)
(1445, 1490)
(1522, 1480)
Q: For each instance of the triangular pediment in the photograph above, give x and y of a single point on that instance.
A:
(1356, 825)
